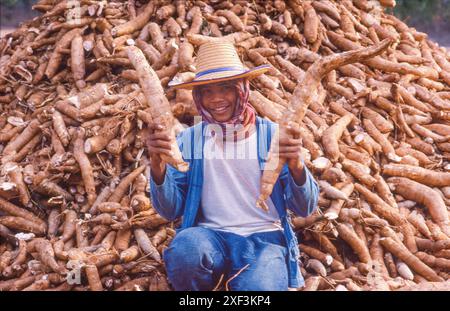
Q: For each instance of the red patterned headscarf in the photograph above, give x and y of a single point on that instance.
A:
(244, 113)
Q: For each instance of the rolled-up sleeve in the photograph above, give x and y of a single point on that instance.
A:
(301, 199)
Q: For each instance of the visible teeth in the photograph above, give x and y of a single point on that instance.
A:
(221, 109)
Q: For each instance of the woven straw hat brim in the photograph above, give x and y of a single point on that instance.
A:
(221, 76)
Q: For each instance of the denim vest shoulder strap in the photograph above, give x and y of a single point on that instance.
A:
(195, 174)
(189, 139)
(264, 130)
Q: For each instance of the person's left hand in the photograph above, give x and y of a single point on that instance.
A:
(290, 150)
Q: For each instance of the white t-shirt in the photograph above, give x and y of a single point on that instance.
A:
(231, 185)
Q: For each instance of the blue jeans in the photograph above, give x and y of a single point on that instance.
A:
(197, 257)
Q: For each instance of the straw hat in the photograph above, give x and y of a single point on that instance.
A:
(216, 62)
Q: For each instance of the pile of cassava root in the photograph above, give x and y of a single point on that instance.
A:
(79, 84)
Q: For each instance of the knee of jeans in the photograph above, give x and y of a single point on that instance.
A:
(191, 248)
(266, 272)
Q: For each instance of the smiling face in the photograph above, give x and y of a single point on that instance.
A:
(220, 99)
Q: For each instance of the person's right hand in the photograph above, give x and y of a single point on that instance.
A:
(158, 143)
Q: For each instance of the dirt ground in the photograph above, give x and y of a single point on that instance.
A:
(5, 30)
